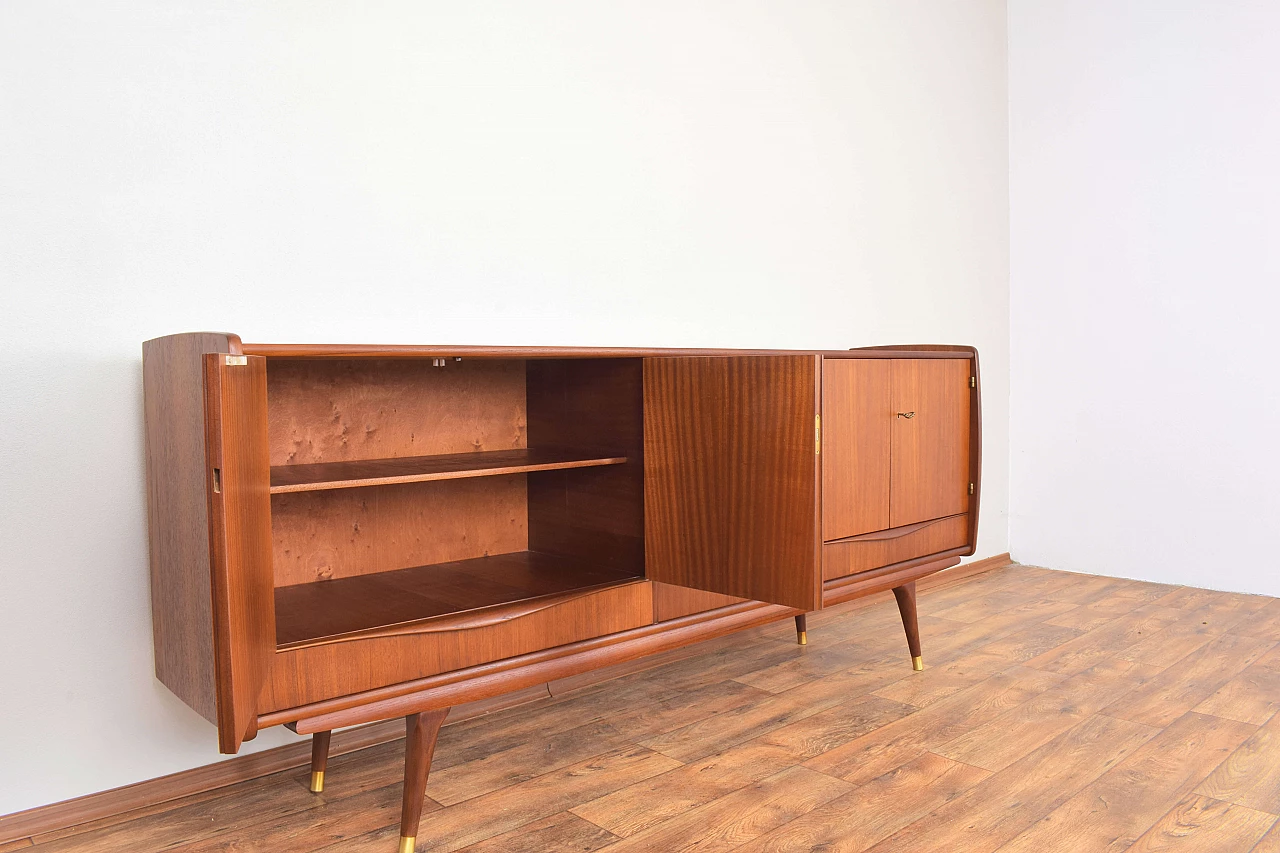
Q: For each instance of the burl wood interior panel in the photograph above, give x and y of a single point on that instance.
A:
(885, 547)
(857, 420)
(313, 673)
(337, 410)
(930, 468)
(346, 532)
(593, 514)
(731, 470)
(240, 534)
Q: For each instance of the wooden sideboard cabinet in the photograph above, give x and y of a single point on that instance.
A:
(346, 534)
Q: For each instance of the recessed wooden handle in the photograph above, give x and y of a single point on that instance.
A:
(906, 414)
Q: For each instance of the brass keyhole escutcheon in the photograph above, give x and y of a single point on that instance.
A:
(907, 415)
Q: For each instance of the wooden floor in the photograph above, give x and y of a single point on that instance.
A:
(1057, 712)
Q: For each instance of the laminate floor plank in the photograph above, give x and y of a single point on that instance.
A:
(874, 811)
(735, 819)
(1018, 731)
(1204, 825)
(1056, 711)
(1190, 681)
(1250, 776)
(1112, 813)
(1004, 804)
(894, 744)
(560, 832)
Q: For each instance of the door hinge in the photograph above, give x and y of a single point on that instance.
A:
(971, 488)
(817, 435)
(236, 360)
(973, 382)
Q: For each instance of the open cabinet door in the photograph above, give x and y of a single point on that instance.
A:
(731, 476)
(244, 620)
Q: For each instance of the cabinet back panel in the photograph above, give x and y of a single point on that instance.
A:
(346, 532)
(337, 410)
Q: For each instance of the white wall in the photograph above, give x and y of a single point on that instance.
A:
(758, 174)
(1145, 287)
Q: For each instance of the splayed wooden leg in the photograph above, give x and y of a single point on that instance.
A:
(906, 595)
(421, 731)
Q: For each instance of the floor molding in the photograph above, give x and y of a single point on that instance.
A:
(59, 816)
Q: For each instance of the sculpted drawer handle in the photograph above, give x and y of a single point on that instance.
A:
(906, 414)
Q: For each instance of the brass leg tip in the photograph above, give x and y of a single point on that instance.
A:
(917, 663)
(317, 781)
(406, 843)
(802, 637)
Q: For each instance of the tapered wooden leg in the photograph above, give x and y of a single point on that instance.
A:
(420, 743)
(319, 758)
(906, 595)
(802, 632)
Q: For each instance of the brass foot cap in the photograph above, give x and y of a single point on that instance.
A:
(802, 637)
(406, 843)
(317, 781)
(917, 663)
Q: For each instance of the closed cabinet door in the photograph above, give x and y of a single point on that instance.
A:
(929, 469)
(731, 476)
(857, 423)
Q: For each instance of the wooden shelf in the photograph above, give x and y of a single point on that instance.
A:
(417, 469)
(439, 597)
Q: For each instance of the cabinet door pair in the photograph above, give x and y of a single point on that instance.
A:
(897, 443)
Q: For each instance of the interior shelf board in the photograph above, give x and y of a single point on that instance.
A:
(418, 469)
(442, 596)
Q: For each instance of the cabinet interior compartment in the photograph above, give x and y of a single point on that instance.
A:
(423, 491)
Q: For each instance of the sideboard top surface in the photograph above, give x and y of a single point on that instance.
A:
(458, 351)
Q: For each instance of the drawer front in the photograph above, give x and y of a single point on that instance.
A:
(313, 673)
(863, 553)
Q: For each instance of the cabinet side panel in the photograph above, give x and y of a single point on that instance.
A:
(857, 416)
(731, 488)
(931, 448)
(594, 514)
(178, 515)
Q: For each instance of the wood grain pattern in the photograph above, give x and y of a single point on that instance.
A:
(672, 602)
(335, 410)
(312, 673)
(1115, 809)
(421, 469)
(592, 514)
(884, 749)
(178, 514)
(852, 556)
(240, 540)
(931, 450)
(320, 536)
(731, 476)
(421, 731)
(439, 597)
(857, 422)
(1204, 825)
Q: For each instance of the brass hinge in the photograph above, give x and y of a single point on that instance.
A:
(971, 488)
(817, 435)
(973, 382)
(236, 360)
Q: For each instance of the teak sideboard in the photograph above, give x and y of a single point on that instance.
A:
(346, 534)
